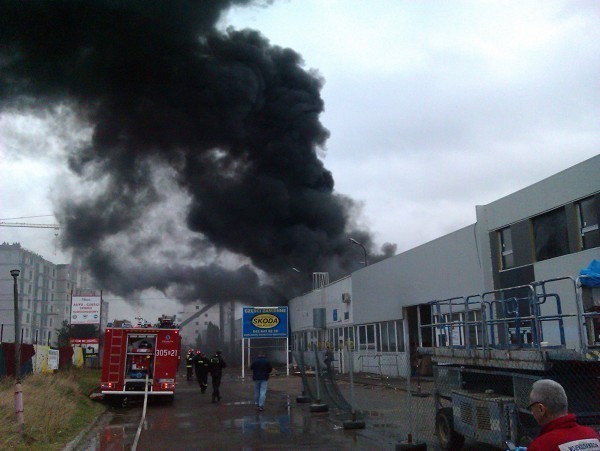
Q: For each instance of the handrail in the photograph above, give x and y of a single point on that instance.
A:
(499, 309)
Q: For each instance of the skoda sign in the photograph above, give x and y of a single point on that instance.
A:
(265, 322)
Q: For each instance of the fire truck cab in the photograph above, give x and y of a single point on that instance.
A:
(134, 355)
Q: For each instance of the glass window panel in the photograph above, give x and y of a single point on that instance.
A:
(385, 347)
(550, 235)
(400, 335)
(362, 337)
(371, 336)
(392, 335)
(506, 249)
(588, 223)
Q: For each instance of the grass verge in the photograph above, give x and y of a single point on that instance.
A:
(56, 408)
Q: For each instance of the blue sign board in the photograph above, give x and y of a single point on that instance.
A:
(265, 322)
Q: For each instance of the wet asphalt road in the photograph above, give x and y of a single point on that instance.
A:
(192, 422)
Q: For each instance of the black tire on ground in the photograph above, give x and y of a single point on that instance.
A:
(444, 429)
(318, 408)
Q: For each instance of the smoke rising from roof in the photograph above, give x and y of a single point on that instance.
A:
(234, 119)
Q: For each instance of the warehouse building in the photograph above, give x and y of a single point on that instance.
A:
(547, 230)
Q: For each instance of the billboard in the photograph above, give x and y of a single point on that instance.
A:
(85, 309)
(265, 322)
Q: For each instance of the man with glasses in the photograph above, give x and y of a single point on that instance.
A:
(560, 430)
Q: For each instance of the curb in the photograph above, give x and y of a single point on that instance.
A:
(73, 444)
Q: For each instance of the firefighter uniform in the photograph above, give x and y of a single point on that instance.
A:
(189, 362)
(201, 365)
(216, 366)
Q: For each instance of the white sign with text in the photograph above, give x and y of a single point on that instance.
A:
(85, 309)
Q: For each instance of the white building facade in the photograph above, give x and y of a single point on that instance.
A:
(547, 230)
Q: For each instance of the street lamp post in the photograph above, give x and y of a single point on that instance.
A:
(18, 389)
(353, 241)
(15, 273)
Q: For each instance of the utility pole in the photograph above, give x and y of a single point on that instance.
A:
(18, 389)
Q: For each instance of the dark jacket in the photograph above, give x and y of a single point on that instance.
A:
(216, 365)
(201, 363)
(563, 430)
(261, 368)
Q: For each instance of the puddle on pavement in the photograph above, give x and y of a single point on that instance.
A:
(112, 438)
(252, 424)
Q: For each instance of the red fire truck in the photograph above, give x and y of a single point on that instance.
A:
(132, 353)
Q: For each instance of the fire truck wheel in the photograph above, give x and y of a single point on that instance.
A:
(444, 428)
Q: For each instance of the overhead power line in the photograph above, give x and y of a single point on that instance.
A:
(30, 225)
(26, 217)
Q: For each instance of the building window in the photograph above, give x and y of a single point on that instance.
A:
(587, 214)
(350, 339)
(391, 336)
(506, 248)
(197, 307)
(366, 337)
(550, 235)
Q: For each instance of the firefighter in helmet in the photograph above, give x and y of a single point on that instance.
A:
(216, 366)
(189, 363)
(201, 364)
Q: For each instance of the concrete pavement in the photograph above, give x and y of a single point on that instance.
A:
(192, 422)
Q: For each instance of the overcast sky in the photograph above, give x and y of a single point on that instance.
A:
(433, 107)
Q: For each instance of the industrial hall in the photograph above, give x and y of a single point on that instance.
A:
(383, 312)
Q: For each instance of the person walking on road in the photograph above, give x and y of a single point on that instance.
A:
(189, 362)
(201, 364)
(216, 366)
(261, 369)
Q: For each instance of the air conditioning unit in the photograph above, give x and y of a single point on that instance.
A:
(346, 298)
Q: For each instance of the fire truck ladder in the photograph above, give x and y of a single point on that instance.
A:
(116, 362)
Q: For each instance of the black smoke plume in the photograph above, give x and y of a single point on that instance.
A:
(233, 117)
